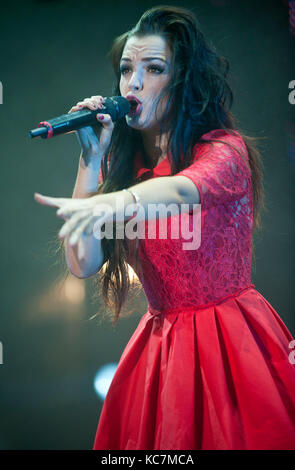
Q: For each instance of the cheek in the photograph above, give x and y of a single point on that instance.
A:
(122, 84)
(160, 86)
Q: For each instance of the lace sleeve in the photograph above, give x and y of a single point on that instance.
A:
(219, 172)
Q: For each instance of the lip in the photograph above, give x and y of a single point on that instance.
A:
(137, 110)
(131, 97)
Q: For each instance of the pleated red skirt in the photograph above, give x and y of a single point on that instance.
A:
(220, 377)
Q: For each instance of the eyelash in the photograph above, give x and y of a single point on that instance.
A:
(160, 70)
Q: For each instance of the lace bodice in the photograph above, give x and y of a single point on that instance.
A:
(173, 276)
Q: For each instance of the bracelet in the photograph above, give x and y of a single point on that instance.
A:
(135, 197)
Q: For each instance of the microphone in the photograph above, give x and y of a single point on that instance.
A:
(116, 106)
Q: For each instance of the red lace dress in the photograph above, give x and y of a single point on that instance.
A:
(209, 365)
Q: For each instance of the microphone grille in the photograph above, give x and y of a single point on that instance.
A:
(122, 106)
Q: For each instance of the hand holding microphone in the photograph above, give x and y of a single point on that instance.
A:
(93, 139)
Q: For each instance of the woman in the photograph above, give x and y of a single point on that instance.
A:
(209, 364)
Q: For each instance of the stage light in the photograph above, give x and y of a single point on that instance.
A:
(64, 297)
(103, 379)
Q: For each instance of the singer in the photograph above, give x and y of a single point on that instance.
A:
(209, 365)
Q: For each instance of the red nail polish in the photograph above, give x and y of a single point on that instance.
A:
(101, 117)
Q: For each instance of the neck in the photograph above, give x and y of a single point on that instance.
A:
(154, 149)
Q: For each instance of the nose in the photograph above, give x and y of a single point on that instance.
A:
(135, 82)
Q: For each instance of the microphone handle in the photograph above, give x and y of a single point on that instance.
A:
(72, 121)
(65, 123)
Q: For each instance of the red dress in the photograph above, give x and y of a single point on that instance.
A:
(209, 365)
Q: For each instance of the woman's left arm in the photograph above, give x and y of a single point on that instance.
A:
(82, 214)
(166, 190)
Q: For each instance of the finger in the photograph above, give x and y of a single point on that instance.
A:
(98, 98)
(94, 104)
(88, 102)
(72, 206)
(98, 101)
(70, 225)
(49, 201)
(65, 211)
(76, 234)
(63, 216)
(75, 108)
(105, 120)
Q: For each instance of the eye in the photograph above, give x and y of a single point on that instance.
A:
(123, 69)
(155, 67)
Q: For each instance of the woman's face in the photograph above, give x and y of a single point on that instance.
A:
(145, 70)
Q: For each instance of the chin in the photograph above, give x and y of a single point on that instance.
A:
(134, 125)
(140, 124)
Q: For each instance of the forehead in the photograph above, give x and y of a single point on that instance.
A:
(153, 44)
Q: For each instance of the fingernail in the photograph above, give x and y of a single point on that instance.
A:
(101, 117)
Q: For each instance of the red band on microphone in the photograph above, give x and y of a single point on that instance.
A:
(49, 127)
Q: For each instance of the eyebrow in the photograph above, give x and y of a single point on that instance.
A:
(146, 59)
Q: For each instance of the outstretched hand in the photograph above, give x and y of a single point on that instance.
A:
(82, 215)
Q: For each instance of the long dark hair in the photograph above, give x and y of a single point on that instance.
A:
(201, 100)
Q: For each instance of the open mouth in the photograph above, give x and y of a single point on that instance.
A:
(135, 108)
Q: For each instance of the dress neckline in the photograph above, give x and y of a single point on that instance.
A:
(141, 171)
(163, 167)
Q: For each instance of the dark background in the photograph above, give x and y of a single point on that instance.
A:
(53, 54)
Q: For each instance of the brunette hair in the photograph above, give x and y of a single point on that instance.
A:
(201, 99)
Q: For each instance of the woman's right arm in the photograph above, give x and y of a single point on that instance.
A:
(86, 257)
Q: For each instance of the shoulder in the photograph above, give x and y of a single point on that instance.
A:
(232, 137)
(226, 143)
